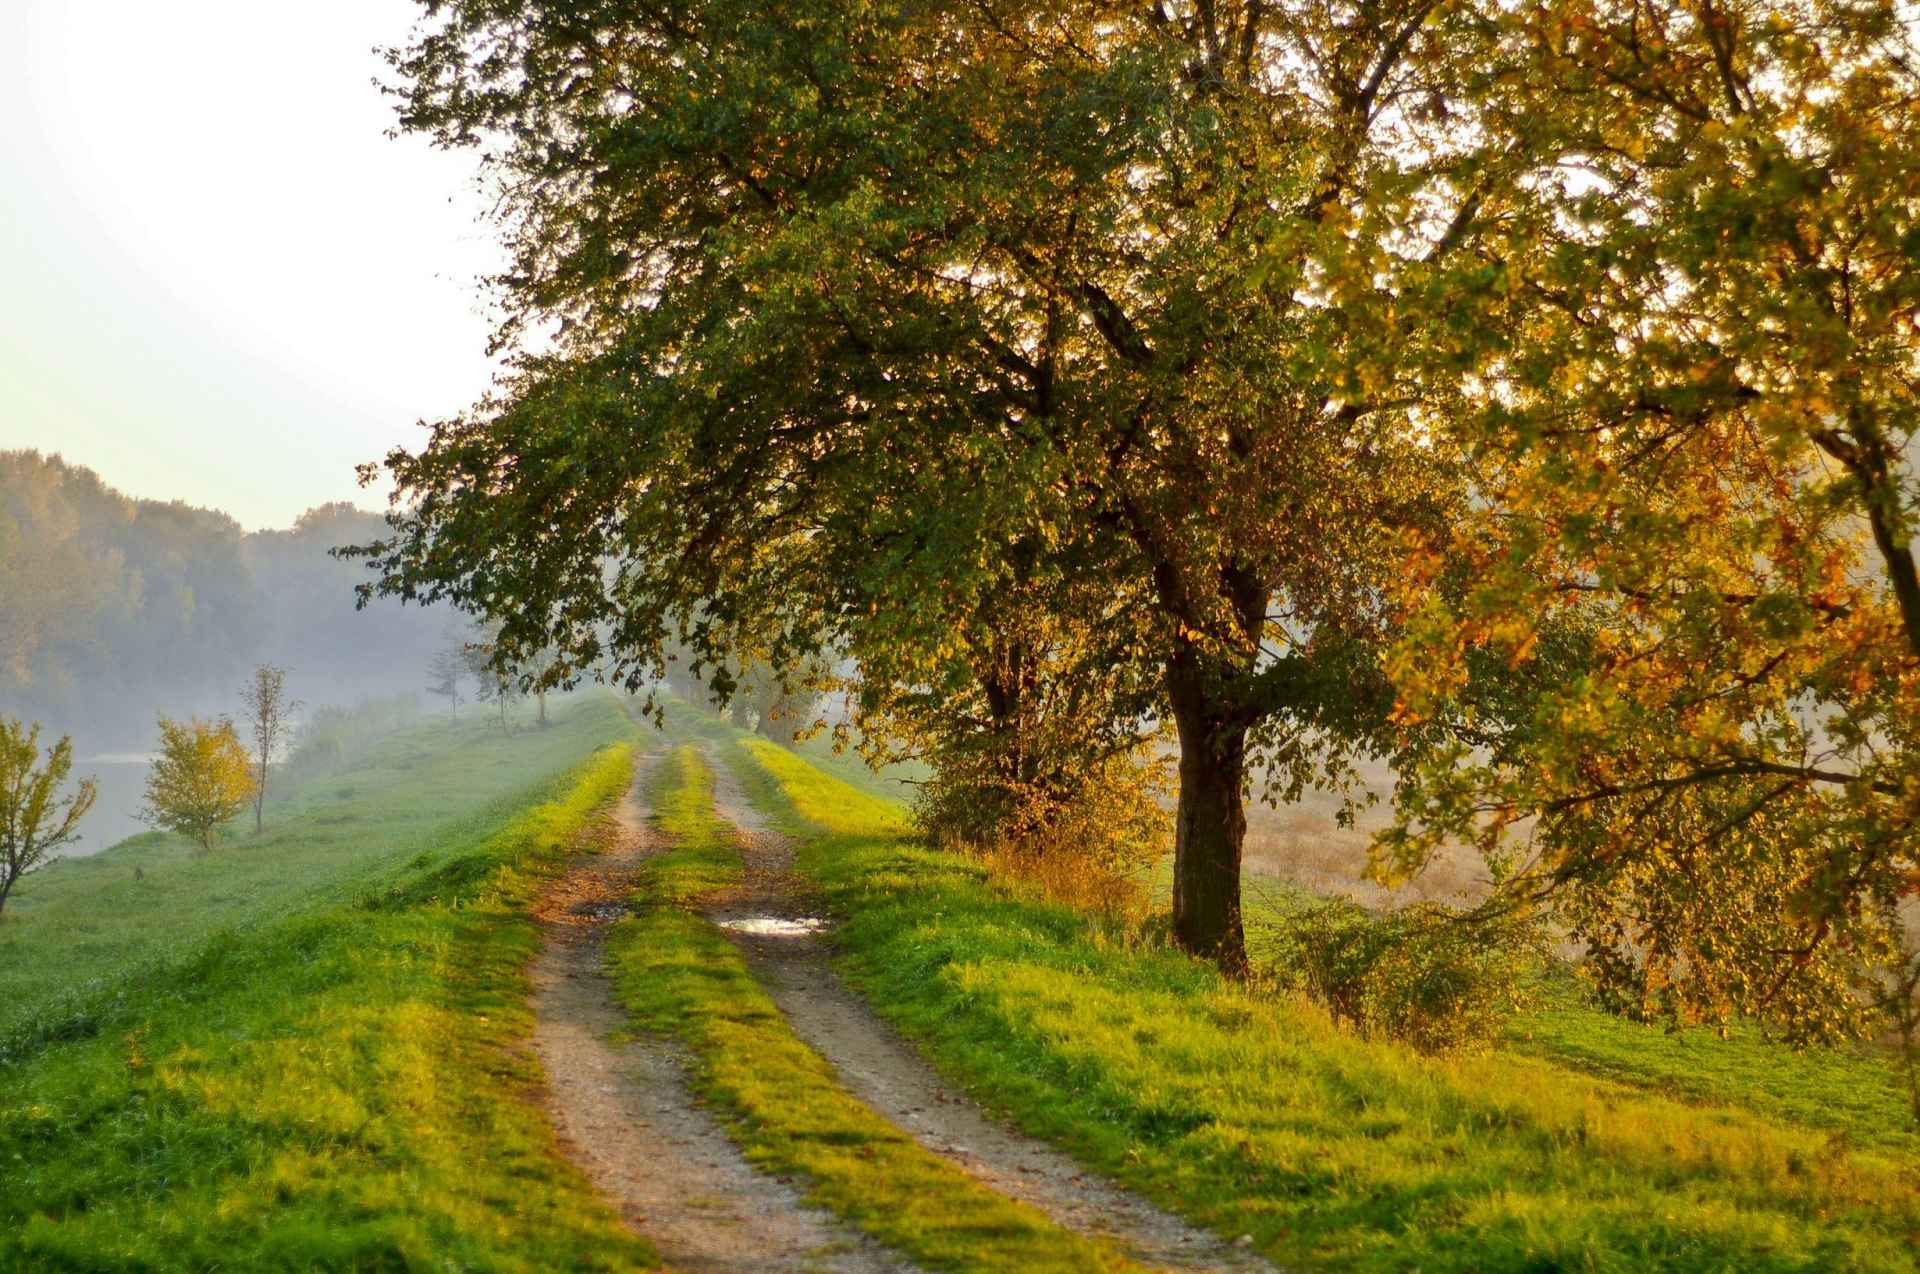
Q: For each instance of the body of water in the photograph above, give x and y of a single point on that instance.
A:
(123, 780)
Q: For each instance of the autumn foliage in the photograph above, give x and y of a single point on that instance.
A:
(37, 814)
(1522, 396)
(201, 777)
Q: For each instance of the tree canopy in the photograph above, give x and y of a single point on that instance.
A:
(1524, 393)
(201, 777)
(1692, 456)
(861, 310)
(36, 816)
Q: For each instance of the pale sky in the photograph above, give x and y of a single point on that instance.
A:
(219, 280)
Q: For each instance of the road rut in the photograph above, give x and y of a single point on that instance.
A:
(625, 1114)
(783, 942)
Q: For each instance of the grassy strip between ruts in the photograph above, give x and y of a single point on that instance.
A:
(1254, 1115)
(678, 974)
(338, 1090)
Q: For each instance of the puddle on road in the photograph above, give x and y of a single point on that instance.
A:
(775, 926)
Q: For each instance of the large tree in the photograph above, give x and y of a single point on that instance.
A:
(856, 311)
(1694, 454)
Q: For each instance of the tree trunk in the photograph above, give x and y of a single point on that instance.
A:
(6, 887)
(541, 697)
(1211, 824)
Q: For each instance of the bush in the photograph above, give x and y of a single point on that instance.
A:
(1431, 976)
(1108, 814)
(1090, 846)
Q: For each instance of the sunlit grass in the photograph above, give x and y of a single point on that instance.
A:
(677, 974)
(342, 1089)
(401, 807)
(1253, 1114)
(1856, 1093)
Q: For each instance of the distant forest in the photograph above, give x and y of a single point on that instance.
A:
(113, 609)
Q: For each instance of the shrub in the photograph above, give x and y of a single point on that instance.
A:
(1108, 813)
(1431, 976)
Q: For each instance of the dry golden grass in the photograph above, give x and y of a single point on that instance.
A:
(1079, 881)
(1304, 844)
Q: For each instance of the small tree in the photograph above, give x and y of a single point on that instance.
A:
(268, 709)
(490, 684)
(33, 821)
(444, 673)
(545, 670)
(202, 777)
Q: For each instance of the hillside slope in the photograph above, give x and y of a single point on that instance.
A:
(335, 1084)
(399, 807)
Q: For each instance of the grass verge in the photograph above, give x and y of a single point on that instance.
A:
(1255, 1115)
(341, 1089)
(677, 974)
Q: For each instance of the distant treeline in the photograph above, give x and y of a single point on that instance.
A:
(112, 608)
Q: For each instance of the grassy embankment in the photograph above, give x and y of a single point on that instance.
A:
(678, 974)
(1856, 1094)
(1255, 1115)
(78, 928)
(335, 1084)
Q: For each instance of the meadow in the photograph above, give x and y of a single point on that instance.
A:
(1855, 1093)
(396, 808)
(1301, 854)
(334, 1076)
(339, 1085)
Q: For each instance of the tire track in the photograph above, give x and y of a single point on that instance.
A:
(624, 1112)
(784, 944)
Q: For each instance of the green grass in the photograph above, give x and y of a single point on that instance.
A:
(1253, 1114)
(678, 974)
(77, 928)
(342, 1089)
(890, 783)
(1857, 1093)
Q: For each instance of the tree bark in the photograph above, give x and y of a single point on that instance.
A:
(1211, 825)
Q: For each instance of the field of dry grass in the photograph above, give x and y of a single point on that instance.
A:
(1303, 844)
